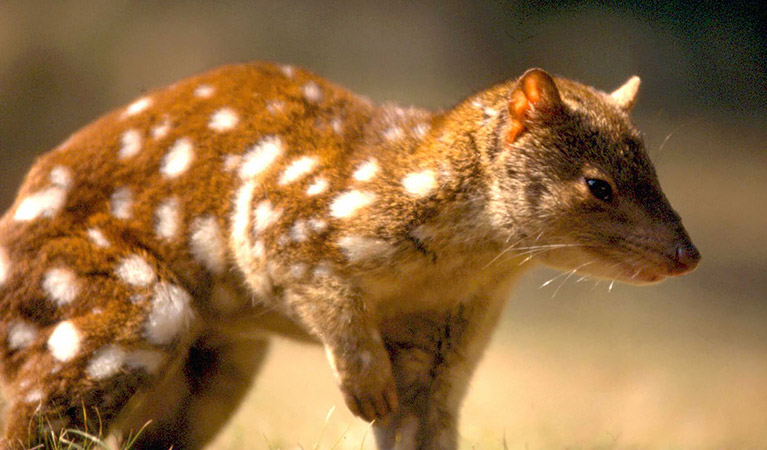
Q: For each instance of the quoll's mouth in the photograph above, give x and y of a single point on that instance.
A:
(642, 275)
(680, 259)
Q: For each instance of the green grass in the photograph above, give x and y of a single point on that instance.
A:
(76, 439)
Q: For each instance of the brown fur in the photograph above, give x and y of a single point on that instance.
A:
(400, 276)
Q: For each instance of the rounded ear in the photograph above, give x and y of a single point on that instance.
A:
(625, 96)
(535, 91)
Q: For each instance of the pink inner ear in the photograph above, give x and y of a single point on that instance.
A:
(519, 105)
(532, 91)
(535, 89)
(540, 89)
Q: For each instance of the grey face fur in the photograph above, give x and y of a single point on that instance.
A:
(587, 137)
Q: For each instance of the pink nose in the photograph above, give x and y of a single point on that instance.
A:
(686, 258)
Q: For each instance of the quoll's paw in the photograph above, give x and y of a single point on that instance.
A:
(366, 382)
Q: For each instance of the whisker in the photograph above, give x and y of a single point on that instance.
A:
(527, 251)
(673, 132)
(503, 252)
(571, 273)
(563, 274)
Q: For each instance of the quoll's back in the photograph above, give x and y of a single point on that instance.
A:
(151, 254)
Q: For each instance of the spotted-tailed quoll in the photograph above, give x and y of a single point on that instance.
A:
(147, 260)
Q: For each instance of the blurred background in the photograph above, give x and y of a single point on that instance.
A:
(575, 364)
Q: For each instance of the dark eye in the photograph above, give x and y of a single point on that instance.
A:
(600, 189)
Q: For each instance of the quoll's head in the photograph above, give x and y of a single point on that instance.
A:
(575, 175)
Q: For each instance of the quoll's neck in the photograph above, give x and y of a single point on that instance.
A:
(434, 163)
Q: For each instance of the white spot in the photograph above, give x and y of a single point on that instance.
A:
(259, 250)
(366, 171)
(148, 360)
(423, 233)
(21, 335)
(421, 129)
(299, 232)
(135, 271)
(298, 169)
(312, 92)
(338, 125)
(365, 359)
(347, 204)
(178, 159)
(249, 256)
(275, 107)
(490, 112)
(34, 396)
(204, 91)
(298, 270)
(161, 130)
(359, 248)
(207, 244)
(61, 285)
(61, 176)
(231, 162)
(138, 106)
(64, 342)
(97, 237)
(261, 156)
(317, 224)
(319, 186)
(420, 184)
(121, 203)
(45, 203)
(322, 270)
(5, 266)
(223, 120)
(171, 313)
(287, 70)
(265, 216)
(242, 217)
(167, 218)
(106, 362)
(394, 133)
(130, 144)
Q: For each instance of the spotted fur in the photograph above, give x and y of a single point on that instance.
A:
(264, 198)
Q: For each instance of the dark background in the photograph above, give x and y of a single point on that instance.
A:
(682, 364)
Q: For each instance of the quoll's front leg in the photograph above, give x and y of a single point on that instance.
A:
(433, 356)
(344, 324)
(93, 324)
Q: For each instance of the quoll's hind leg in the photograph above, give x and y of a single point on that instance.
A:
(209, 387)
(433, 357)
(88, 330)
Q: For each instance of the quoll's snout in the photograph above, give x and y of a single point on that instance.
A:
(685, 257)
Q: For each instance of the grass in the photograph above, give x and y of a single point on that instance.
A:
(76, 439)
